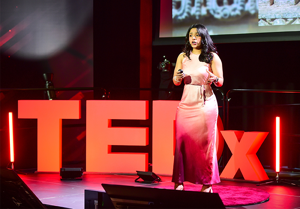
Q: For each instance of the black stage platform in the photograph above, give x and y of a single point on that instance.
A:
(70, 194)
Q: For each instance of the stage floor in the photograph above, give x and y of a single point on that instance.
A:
(70, 194)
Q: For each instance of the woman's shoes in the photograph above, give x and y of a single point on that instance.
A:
(179, 187)
(208, 190)
(205, 188)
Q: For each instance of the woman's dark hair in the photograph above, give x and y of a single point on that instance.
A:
(207, 44)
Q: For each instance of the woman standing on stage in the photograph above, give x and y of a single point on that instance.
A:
(198, 66)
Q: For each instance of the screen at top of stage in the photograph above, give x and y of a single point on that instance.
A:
(227, 17)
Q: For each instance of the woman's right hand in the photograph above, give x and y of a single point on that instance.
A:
(179, 74)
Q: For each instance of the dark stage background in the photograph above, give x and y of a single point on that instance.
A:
(44, 37)
(105, 52)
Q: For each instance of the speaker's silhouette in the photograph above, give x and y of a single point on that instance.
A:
(15, 193)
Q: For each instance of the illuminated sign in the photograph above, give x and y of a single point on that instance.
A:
(101, 136)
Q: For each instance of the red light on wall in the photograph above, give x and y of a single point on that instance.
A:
(277, 144)
(11, 137)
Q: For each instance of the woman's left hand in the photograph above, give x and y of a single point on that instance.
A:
(211, 78)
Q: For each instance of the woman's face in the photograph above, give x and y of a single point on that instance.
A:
(195, 38)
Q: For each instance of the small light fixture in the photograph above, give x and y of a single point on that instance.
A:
(147, 177)
(71, 173)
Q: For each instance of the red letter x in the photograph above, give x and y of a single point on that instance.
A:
(243, 147)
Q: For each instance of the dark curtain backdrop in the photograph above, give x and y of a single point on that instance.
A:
(116, 47)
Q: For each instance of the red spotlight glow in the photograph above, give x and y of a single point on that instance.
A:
(11, 137)
(277, 144)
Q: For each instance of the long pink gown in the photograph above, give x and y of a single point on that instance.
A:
(195, 157)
